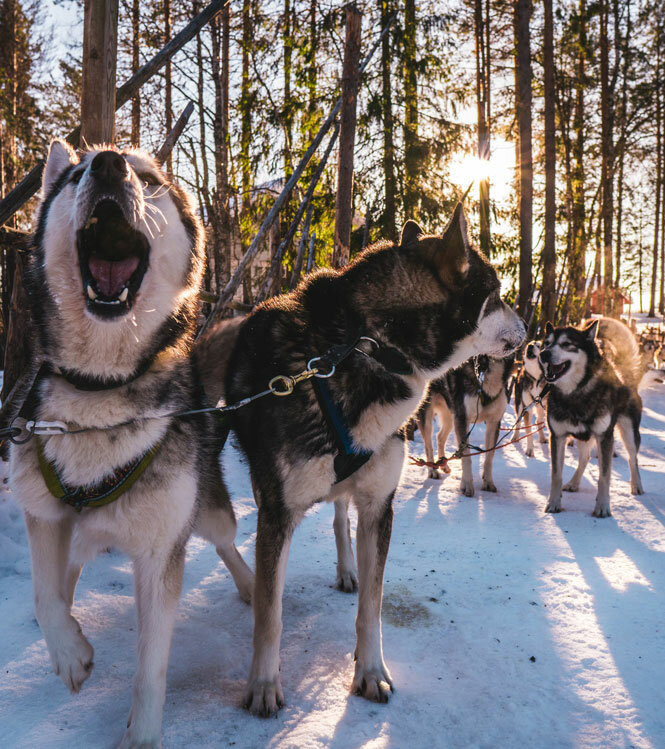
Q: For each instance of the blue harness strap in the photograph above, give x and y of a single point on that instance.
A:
(349, 458)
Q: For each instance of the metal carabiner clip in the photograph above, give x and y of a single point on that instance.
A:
(285, 381)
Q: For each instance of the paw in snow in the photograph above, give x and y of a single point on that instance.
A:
(529, 452)
(71, 655)
(489, 486)
(347, 581)
(553, 507)
(132, 741)
(571, 486)
(264, 698)
(601, 511)
(466, 487)
(373, 684)
(433, 473)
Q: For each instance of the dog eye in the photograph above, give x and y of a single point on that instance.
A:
(76, 176)
(149, 179)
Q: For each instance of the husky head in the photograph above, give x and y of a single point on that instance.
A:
(568, 354)
(118, 259)
(464, 296)
(532, 363)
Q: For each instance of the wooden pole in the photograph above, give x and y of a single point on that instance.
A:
(302, 248)
(175, 133)
(29, 185)
(310, 255)
(100, 41)
(347, 139)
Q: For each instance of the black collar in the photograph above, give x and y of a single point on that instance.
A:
(91, 383)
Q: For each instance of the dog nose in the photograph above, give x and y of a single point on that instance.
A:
(545, 355)
(109, 167)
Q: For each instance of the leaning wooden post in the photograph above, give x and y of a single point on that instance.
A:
(347, 138)
(100, 36)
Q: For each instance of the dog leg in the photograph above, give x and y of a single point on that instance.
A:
(217, 524)
(466, 485)
(630, 435)
(540, 412)
(264, 695)
(605, 451)
(70, 652)
(442, 436)
(426, 426)
(529, 439)
(583, 453)
(557, 455)
(372, 679)
(157, 586)
(71, 579)
(491, 438)
(347, 575)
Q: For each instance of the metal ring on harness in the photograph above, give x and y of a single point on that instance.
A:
(285, 381)
(318, 373)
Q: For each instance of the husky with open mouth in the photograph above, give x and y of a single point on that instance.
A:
(114, 276)
(592, 375)
(402, 314)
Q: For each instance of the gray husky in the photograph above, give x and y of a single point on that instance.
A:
(397, 317)
(474, 393)
(114, 276)
(592, 375)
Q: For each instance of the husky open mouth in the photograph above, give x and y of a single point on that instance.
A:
(113, 257)
(555, 371)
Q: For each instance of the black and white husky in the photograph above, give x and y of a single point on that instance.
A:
(414, 309)
(593, 375)
(529, 386)
(114, 277)
(474, 393)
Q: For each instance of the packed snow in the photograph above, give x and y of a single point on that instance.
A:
(502, 626)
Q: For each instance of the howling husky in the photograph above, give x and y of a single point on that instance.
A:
(114, 277)
(404, 314)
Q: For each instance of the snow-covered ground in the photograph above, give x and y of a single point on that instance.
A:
(502, 626)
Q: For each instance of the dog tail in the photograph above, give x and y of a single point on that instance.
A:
(211, 355)
(620, 345)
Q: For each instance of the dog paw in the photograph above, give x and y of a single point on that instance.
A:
(373, 684)
(433, 473)
(529, 452)
(571, 487)
(553, 507)
(489, 486)
(636, 489)
(601, 512)
(347, 581)
(131, 741)
(72, 656)
(264, 698)
(466, 487)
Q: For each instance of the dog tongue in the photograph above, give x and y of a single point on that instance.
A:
(111, 276)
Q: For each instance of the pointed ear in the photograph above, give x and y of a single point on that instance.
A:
(455, 241)
(549, 328)
(410, 233)
(60, 157)
(592, 330)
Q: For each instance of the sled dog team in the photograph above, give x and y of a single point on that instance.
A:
(114, 274)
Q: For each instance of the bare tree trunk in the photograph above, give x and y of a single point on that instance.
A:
(523, 112)
(625, 54)
(549, 248)
(347, 137)
(411, 142)
(659, 178)
(136, 101)
(481, 24)
(577, 264)
(100, 34)
(607, 157)
(168, 105)
(389, 181)
(245, 137)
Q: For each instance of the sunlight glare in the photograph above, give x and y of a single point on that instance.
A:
(620, 571)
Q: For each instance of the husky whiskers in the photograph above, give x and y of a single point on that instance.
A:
(414, 309)
(114, 278)
(593, 375)
(529, 386)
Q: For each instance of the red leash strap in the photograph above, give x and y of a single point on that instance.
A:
(443, 462)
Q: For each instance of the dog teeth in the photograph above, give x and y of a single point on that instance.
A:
(91, 293)
(123, 296)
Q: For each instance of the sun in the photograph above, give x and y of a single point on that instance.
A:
(467, 169)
